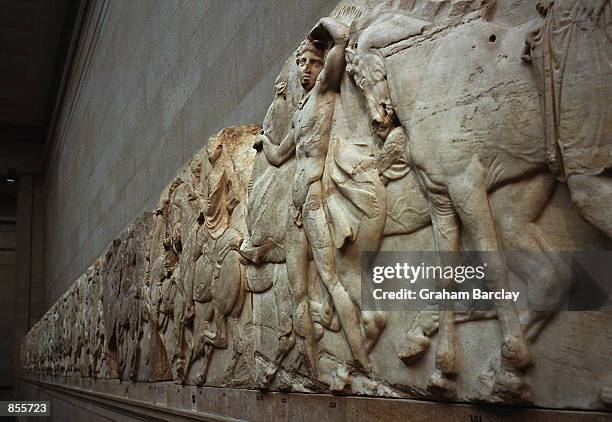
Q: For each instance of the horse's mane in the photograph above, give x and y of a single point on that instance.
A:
(348, 13)
(406, 13)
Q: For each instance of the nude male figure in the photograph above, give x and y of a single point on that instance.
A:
(308, 232)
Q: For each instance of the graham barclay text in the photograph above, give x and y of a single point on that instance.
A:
(427, 294)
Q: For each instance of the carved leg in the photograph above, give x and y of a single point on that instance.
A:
(324, 255)
(546, 275)
(181, 350)
(446, 239)
(220, 338)
(592, 196)
(202, 373)
(297, 270)
(286, 340)
(417, 340)
(369, 239)
(472, 205)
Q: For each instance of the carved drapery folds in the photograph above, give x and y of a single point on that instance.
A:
(411, 125)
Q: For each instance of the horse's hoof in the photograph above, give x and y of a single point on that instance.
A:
(413, 348)
(441, 386)
(446, 362)
(515, 352)
(286, 342)
(200, 379)
(373, 326)
(606, 396)
(511, 387)
(370, 387)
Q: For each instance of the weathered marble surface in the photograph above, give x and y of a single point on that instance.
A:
(474, 115)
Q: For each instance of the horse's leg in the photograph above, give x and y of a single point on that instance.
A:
(369, 239)
(191, 251)
(208, 350)
(592, 196)
(446, 239)
(425, 326)
(180, 354)
(543, 271)
(470, 199)
(418, 337)
(286, 340)
(282, 298)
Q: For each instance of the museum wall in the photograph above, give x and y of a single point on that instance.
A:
(151, 82)
(421, 216)
(8, 239)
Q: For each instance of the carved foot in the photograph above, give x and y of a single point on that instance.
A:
(441, 386)
(370, 387)
(414, 347)
(341, 381)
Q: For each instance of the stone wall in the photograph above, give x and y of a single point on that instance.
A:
(152, 81)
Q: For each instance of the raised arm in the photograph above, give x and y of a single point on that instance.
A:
(276, 154)
(334, 32)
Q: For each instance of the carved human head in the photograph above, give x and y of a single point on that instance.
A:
(196, 171)
(310, 57)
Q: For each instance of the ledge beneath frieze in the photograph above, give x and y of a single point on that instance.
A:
(169, 402)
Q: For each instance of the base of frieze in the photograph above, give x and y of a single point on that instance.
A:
(170, 402)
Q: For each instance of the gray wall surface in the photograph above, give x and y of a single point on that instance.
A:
(8, 267)
(152, 81)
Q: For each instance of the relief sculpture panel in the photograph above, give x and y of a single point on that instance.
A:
(445, 126)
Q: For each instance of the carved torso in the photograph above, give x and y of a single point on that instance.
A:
(311, 130)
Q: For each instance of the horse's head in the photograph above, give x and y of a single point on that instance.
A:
(377, 30)
(367, 68)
